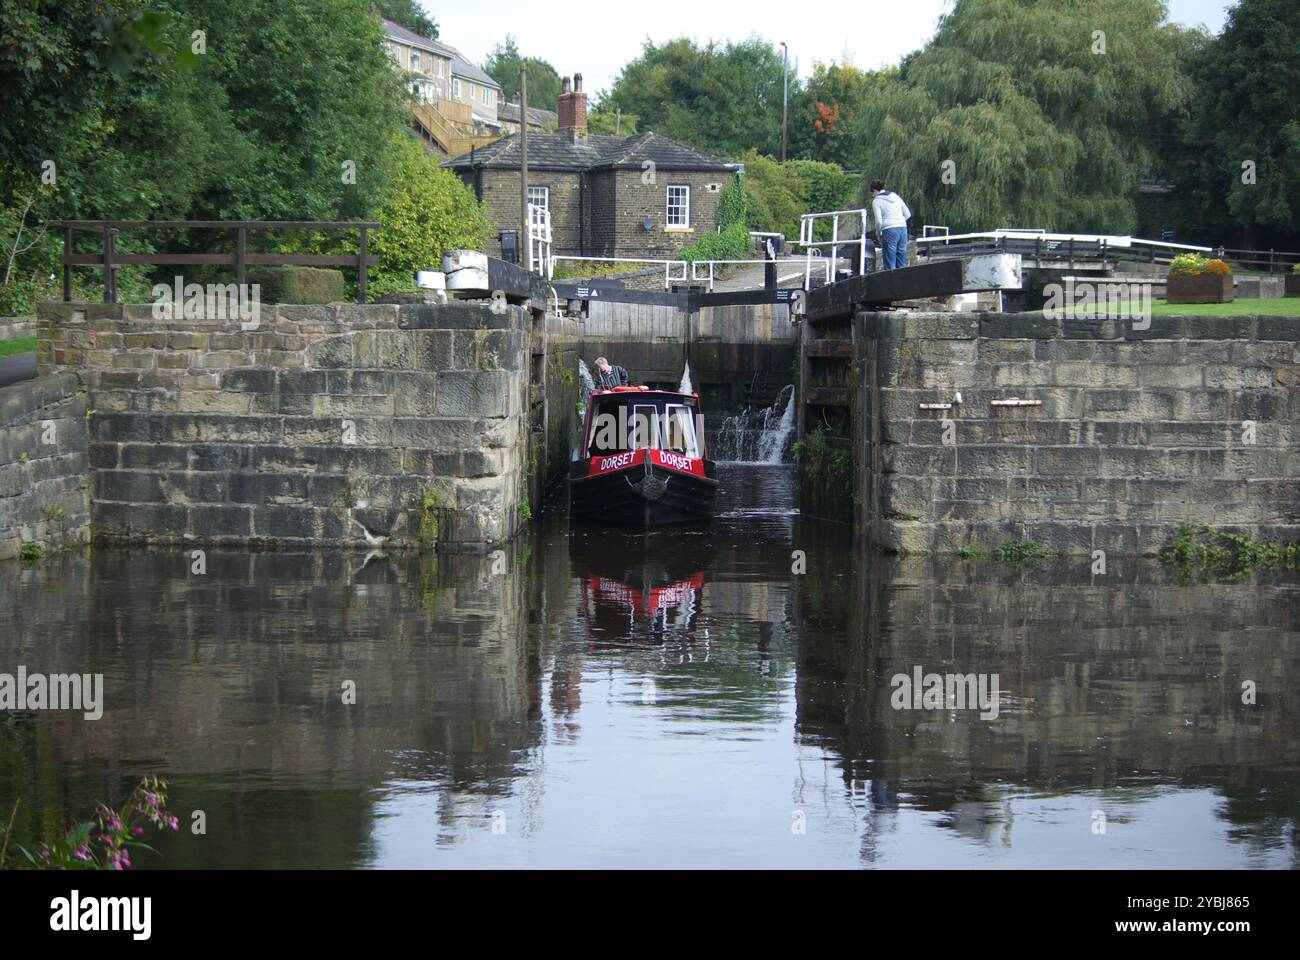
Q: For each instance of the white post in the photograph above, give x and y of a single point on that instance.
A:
(835, 247)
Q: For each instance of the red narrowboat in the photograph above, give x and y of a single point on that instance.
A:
(643, 460)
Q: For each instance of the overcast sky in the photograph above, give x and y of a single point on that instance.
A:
(597, 38)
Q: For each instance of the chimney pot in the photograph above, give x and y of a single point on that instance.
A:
(572, 107)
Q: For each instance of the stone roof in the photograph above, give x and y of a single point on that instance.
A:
(536, 115)
(398, 32)
(598, 151)
(460, 67)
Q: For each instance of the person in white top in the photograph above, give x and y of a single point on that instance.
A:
(891, 215)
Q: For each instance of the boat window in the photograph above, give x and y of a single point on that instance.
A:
(679, 431)
(643, 429)
(609, 432)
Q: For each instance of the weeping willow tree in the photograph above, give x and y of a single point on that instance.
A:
(1030, 113)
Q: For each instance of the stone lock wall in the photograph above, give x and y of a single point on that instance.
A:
(1196, 419)
(44, 486)
(405, 420)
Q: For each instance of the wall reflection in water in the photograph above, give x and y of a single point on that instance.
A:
(680, 698)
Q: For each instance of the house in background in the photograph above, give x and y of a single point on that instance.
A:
(539, 120)
(453, 103)
(608, 195)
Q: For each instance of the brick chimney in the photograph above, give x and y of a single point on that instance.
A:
(572, 107)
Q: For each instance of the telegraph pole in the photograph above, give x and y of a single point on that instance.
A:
(525, 243)
(785, 95)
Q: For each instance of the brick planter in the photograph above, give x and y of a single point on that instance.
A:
(1206, 288)
(1293, 284)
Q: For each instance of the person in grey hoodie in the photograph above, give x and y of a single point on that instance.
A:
(891, 216)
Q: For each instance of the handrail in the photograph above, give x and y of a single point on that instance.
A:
(1110, 240)
(109, 260)
(440, 128)
(807, 233)
(539, 240)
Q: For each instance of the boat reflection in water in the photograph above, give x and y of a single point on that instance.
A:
(633, 591)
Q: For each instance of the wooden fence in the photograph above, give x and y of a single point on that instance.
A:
(108, 259)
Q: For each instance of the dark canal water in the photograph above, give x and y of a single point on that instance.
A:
(677, 699)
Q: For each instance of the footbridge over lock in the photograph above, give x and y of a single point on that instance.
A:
(735, 324)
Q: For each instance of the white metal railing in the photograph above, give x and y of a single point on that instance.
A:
(926, 228)
(539, 240)
(689, 271)
(668, 265)
(807, 240)
(1035, 234)
(710, 264)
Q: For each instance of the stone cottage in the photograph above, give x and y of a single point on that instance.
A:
(609, 196)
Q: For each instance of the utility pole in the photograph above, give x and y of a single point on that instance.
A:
(524, 241)
(785, 95)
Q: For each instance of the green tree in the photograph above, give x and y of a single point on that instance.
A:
(775, 196)
(310, 89)
(778, 194)
(502, 65)
(600, 121)
(725, 99)
(825, 113)
(409, 14)
(260, 124)
(1029, 112)
(1246, 110)
(426, 211)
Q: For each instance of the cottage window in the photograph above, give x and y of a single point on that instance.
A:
(442, 67)
(415, 60)
(455, 86)
(540, 197)
(679, 205)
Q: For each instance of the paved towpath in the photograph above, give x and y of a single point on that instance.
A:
(21, 366)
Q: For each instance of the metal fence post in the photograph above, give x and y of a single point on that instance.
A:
(361, 269)
(110, 281)
(241, 252)
(67, 267)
